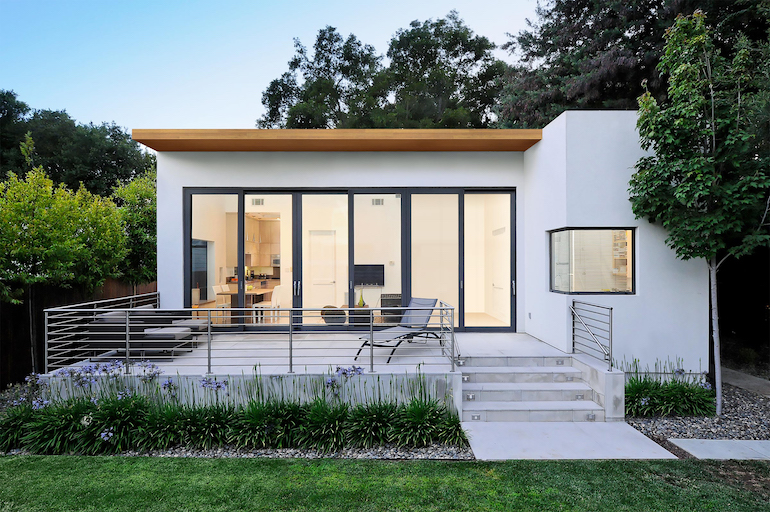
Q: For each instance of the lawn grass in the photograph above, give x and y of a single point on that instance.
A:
(31, 483)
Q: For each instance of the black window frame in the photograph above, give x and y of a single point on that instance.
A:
(593, 228)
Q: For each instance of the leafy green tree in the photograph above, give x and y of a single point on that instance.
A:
(708, 182)
(51, 235)
(594, 54)
(333, 80)
(137, 204)
(98, 156)
(440, 75)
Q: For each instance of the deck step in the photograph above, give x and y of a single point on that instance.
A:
(526, 391)
(517, 374)
(533, 411)
(515, 361)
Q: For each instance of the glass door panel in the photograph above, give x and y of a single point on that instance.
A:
(324, 252)
(487, 255)
(377, 251)
(435, 249)
(267, 235)
(214, 252)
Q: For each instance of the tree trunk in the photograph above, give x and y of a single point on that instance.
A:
(715, 333)
(32, 339)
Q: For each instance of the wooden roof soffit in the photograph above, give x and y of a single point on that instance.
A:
(338, 140)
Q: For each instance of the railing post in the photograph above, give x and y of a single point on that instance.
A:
(208, 337)
(45, 319)
(371, 340)
(128, 342)
(610, 341)
(291, 341)
(572, 316)
(452, 334)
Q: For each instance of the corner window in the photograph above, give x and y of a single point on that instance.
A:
(592, 260)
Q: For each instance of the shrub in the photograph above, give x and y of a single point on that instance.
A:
(206, 426)
(13, 425)
(58, 428)
(417, 423)
(368, 425)
(162, 429)
(646, 396)
(324, 426)
(451, 431)
(116, 425)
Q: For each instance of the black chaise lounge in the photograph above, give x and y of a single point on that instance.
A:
(414, 324)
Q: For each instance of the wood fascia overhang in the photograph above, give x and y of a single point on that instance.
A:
(338, 140)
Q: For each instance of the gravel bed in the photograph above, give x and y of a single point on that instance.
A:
(433, 452)
(745, 415)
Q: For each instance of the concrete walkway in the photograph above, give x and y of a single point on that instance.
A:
(561, 440)
(746, 381)
(724, 449)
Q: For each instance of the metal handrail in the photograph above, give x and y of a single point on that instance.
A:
(81, 332)
(606, 350)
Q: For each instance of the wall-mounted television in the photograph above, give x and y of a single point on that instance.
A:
(369, 275)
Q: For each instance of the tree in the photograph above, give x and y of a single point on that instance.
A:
(137, 204)
(51, 235)
(440, 75)
(594, 54)
(708, 182)
(333, 80)
(98, 156)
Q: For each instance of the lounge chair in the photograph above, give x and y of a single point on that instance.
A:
(414, 324)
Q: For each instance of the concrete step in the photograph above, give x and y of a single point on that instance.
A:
(526, 391)
(580, 410)
(520, 374)
(482, 361)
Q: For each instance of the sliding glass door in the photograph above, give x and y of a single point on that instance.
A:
(369, 248)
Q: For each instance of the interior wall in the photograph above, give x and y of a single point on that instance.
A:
(209, 221)
(435, 248)
(377, 241)
(328, 212)
(475, 262)
(497, 264)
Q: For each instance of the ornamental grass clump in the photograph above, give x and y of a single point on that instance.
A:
(59, 428)
(671, 393)
(368, 425)
(324, 426)
(115, 424)
(417, 423)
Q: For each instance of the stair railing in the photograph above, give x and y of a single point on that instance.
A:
(592, 330)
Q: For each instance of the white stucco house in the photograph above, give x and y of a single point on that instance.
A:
(507, 226)
(270, 243)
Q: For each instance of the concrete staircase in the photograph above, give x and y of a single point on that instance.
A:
(506, 389)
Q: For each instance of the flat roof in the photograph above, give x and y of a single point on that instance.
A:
(338, 140)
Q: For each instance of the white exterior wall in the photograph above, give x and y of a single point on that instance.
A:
(312, 170)
(577, 176)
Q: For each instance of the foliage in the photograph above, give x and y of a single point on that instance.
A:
(271, 424)
(206, 426)
(594, 54)
(333, 81)
(368, 425)
(13, 424)
(58, 428)
(646, 396)
(417, 423)
(98, 156)
(137, 204)
(708, 181)
(51, 235)
(440, 75)
(323, 428)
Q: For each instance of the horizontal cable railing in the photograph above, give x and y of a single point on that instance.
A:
(592, 330)
(269, 340)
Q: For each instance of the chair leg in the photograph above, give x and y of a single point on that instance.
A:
(359, 351)
(394, 350)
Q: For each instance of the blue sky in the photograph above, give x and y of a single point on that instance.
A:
(193, 64)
